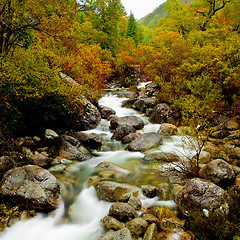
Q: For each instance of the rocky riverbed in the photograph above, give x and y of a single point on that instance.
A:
(119, 163)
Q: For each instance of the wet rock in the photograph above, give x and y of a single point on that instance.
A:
(149, 191)
(111, 223)
(220, 134)
(145, 141)
(137, 226)
(5, 164)
(162, 114)
(132, 121)
(159, 157)
(135, 203)
(200, 194)
(151, 233)
(167, 129)
(91, 140)
(113, 192)
(151, 219)
(40, 159)
(123, 234)
(112, 166)
(219, 172)
(163, 191)
(106, 111)
(50, 134)
(71, 152)
(144, 103)
(31, 187)
(129, 102)
(122, 131)
(122, 211)
(130, 137)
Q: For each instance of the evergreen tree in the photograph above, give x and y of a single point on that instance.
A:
(132, 29)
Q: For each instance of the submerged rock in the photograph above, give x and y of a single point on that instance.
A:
(31, 187)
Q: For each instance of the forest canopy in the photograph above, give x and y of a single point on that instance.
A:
(192, 55)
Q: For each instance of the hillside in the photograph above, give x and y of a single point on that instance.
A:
(151, 20)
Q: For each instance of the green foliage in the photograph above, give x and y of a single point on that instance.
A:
(132, 29)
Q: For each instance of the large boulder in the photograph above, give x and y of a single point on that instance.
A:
(133, 121)
(89, 140)
(162, 114)
(90, 117)
(145, 141)
(122, 131)
(199, 194)
(73, 151)
(106, 111)
(144, 103)
(113, 192)
(219, 172)
(122, 211)
(31, 187)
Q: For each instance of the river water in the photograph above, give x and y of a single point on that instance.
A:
(78, 217)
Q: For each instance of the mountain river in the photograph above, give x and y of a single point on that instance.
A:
(78, 217)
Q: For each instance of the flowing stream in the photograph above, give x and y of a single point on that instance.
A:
(78, 217)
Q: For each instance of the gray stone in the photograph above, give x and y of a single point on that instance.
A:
(40, 159)
(106, 111)
(90, 140)
(130, 137)
(50, 134)
(199, 194)
(144, 103)
(162, 114)
(122, 211)
(113, 192)
(31, 187)
(219, 172)
(132, 121)
(145, 142)
(123, 130)
(163, 191)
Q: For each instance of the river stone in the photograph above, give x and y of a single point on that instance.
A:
(122, 131)
(106, 111)
(167, 129)
(31, 187)
(144, 103)
(113, 192)
(162, 114)
(199, 194)
(151, 219)
(122, 211)
(5, 164)
(149, 191)
(90, 140)
(132, 121)
(145, 141)
(129, 102)
(130, 137)
(111, 223)
(137, 226)
(163, 191)
(151, 233)
(135, 203)
(40, 159)
(159, 157)
(112, 166)
(50, 134)
(219, 172)
(68, 151)
(123, 234)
